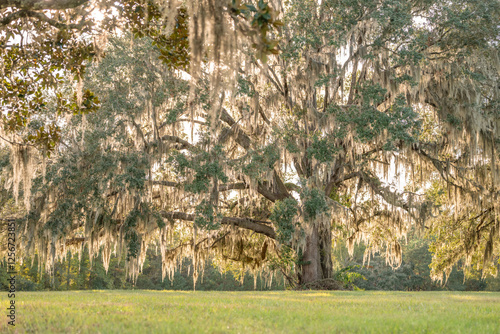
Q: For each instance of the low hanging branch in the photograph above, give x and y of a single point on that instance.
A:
(257, 226)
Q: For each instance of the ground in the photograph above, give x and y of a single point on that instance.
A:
(254, 312)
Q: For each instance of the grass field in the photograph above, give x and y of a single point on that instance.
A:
(254, 312)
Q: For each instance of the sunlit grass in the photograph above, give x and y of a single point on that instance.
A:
(255, 312)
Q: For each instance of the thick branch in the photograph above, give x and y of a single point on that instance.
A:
(12, 17)
(225, 117)
(42, 4)
(389, 196)
(183, 143)
(233, 186)
(246, 223)
(337, 181)
(59, 25)
(280, 191)
(222, 187)
(166, 183)
(240, 137)
(446, 176)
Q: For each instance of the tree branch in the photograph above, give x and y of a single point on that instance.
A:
(222, 187)
(42, 4)
(184, 144)
(59, 25)
(261, 227)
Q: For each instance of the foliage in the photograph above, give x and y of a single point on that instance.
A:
(206, 217)
(347, 277)
(147, 19)
(283, 215)
(262, 18)
(261, 161)
(314, 203)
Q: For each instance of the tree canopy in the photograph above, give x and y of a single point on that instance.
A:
(253, 134)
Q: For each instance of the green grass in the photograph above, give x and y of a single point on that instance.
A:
(255, 312)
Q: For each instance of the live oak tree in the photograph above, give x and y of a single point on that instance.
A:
(262, 133)
(399, 58)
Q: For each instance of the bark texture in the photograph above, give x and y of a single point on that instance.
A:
(317, 259)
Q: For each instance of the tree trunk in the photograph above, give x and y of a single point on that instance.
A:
(317, 259)
(68, 275)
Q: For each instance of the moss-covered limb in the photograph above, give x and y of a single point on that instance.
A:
(42, 4)
(184, 144)
(234, 130)
(454, 173)
(221, 188)
(233, 186)
(336, 181)
(25, 13)
(277, 191)
(237, 133)
(257, 226)
(389, 196)
(272, 78)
